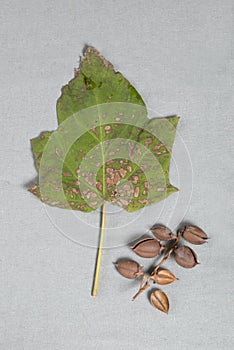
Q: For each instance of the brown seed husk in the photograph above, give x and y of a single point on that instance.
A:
(163, 277)
(129, 269)
(162, 233)
(185, 257)
(147, 248)
(194, 235)
(160, 300)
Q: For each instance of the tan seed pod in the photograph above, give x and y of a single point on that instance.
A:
(129, 269)
(162, 233)
(185, 257)
(160, 300)
(163, 277)
(147, 248)
(194, 235)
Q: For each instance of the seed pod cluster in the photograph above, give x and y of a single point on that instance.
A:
(152, 247)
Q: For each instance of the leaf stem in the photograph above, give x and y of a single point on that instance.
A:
(99, 252)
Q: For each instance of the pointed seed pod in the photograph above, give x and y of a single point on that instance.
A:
(163, 277)
(129, 269)
(194, 235)
(162, 233)
(185, 257)
(147, 248)
(160, 300)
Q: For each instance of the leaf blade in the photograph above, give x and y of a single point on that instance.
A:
(146, 138)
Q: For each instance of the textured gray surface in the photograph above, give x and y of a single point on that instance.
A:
(179, 55)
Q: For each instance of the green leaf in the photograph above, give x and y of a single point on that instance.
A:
(105, 149)
(95, 82)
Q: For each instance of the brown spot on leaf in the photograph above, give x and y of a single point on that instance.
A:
(75, 190)
(158, 146)
(99, 186)
(54, 202)
(135, 179)
(129, 168)
(136, 192)
(138, 150)
(116, 178)
(160, 189)
(123, 202)
(89, 181)
(147, 143)
(122, 172)
(109, 182)
(142, 201)
(95, 130)
(57, 152)
(126, 187)
(109, 170)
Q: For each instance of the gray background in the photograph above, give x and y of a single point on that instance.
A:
(179, 55)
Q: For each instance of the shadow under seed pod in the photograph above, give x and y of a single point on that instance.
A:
(185, 257)
(147, 248)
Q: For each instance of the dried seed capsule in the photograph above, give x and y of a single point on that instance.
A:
(147, 248)
(160, 300)
(185, 257)
(162, 233)
(129, 269)
(194, 235)
(163, 277)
